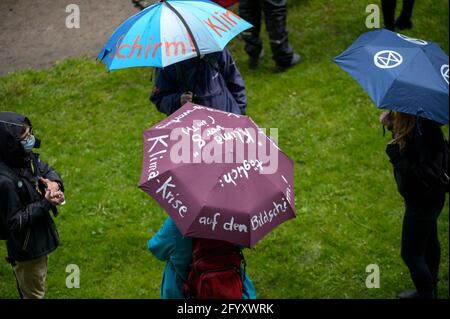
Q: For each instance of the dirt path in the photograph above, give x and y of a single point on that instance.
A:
(33, 33)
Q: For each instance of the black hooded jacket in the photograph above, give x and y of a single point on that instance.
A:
(24, 212)
(419, 168)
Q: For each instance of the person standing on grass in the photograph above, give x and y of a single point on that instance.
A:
(275, 12)
(419, 154)
(29, 191)
(212, 80)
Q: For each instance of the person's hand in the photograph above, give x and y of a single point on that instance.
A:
(52, 192)
(386, 118)
(55, 198)
(53, 186)
(186, 97)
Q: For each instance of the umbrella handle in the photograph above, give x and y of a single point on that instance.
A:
(191, 35)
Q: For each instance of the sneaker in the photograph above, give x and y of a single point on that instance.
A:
(296, 59)
(253, 61)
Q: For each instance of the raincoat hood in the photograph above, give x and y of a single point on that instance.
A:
(11, 150)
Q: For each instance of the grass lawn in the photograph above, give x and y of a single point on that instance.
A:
(349, 211)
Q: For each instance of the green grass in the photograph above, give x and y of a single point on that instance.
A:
(349, 212)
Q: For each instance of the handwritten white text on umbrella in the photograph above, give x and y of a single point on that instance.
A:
(172, 199)
(267, 216)
(154, 155)
(231, 225)
(241, 172)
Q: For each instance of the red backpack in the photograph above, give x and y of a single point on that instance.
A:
(226, 3)
(216, 270)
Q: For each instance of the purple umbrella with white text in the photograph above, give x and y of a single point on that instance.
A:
(218, 175)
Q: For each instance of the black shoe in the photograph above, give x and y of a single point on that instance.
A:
(414, 294)
(253, 61)
(296, 59)
(403, 24)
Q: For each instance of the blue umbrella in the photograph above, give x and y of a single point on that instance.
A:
(400, 73)
(169, 32)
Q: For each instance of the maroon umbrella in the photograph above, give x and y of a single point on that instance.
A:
(217, 175)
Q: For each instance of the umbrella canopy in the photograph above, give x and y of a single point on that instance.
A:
(169, 32)
(221, 187)
(400, 73)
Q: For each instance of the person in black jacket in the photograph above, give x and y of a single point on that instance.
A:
(275, 12)
(417, 153)
(29, 191)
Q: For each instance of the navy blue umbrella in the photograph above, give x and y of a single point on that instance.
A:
(400, 73)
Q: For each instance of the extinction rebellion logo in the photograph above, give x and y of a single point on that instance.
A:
(387, 59)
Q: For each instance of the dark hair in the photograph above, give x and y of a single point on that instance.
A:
(26, 124)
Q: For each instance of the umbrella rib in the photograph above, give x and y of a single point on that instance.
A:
(197, 50)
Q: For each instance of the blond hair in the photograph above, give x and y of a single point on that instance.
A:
(403, 126)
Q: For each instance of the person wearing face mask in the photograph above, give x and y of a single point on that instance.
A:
(30, 191)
